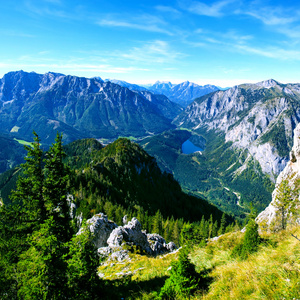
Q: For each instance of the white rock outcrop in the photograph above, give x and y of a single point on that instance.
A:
(101, 227)
(267, 217)
(114, 241)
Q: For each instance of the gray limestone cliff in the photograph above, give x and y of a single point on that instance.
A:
(268, 219)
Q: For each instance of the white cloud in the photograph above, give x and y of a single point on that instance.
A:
(168, 9)
(144, 22)
(271, 52)
(152, 52)
(272, 15)
(9, 32)
(213, 10)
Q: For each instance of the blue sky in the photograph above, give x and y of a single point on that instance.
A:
(223, 42)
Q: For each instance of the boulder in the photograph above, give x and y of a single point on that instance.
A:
(131, 233)
(101, 227)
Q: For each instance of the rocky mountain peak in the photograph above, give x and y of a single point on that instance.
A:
(268, 83)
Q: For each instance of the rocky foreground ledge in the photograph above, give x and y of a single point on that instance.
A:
(115, 241)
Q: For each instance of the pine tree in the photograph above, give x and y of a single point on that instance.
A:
(55, 190)
(42, 269)
(287, 199)
(251, 239)
(22, 217)
(183, 280)
(29, 191)
(157, 223)
(210, 226)
(222, 225)
(83, 281)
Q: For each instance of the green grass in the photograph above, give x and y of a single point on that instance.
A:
(271, 273)
(22, 142)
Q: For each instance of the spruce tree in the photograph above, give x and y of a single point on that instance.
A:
(21, 218)
(55, 189)
(29, 192)
(183, 280)
(251, 239)
(287, 200)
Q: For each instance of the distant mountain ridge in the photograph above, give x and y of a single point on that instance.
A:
(182, 94)
(79, 107)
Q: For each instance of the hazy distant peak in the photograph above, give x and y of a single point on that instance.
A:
(99, 78)
(268, 83)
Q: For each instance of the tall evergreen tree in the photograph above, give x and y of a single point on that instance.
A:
(287, 199)
(29, 191)
(21, 218)
(55, 189)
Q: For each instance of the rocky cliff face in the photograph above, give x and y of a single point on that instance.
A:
(267, 218)
(257, 117)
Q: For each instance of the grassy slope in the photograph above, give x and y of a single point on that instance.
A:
(271, 273)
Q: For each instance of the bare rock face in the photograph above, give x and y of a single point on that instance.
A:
(101, 227)
(132, 233)
(267, 217)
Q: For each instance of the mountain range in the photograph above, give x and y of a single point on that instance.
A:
(183, 93)
(79, 107)
(245, 132)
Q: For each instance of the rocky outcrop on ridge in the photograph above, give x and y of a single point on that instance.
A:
(266, 219)
(114, 241)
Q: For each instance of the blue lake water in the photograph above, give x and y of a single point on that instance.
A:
(188, 147)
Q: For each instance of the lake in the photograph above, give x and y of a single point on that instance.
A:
(188, 147)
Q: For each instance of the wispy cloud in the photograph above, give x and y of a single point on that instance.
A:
(271, 15)
(215, 9)
(53, 1)
(280, 19)
(66, 65)
(271, 52)
(152, 52)
(9, 32)
(232, 41)
(144, 22)
(50, 8)
(167, 9)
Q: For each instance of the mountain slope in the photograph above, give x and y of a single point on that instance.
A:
(11, 153)
(183, 93)
(214, 173)
(124, 174)
(257, 117)
(78, 107)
